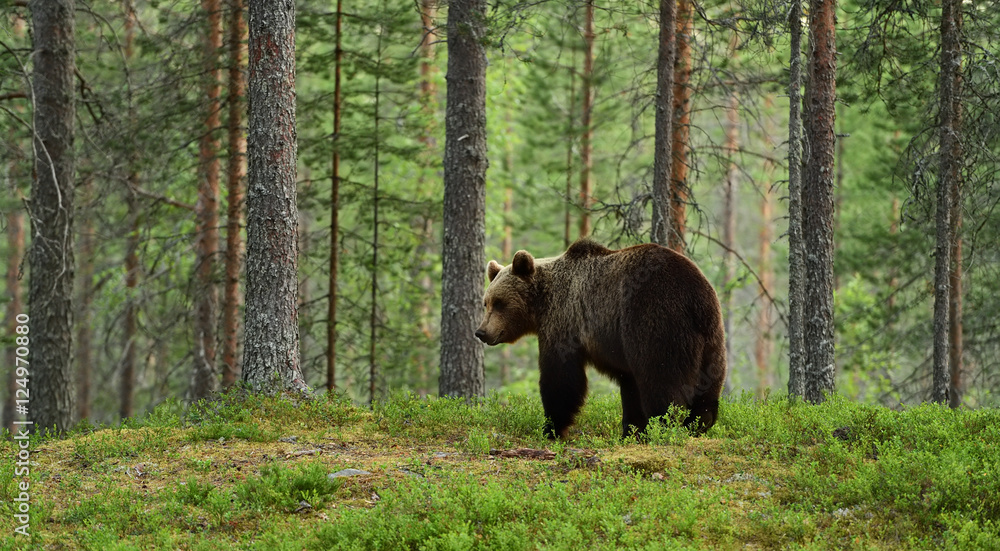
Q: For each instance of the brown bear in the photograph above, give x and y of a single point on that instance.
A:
(645, 316)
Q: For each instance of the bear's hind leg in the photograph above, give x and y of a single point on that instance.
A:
(563, 386)
(633, 417)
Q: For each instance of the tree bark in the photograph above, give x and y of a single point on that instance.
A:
(955, 330)
(425, 223)
(796, 250)
(950, 158)
(587, 117)
(373, 313)
(662, 228)
(15, 259)
(817, 200)
(271, 347)
(51, 209)
(126, 384)
(681, 126)
(331, 312)
(236, 172)
(465, 165)
(205, 375)
(570, 140)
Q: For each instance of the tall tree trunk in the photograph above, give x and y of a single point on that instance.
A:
(205, 379)
(587, 118)
(465, 165)
(235, 173)
(271, 347)
(15, 253)
(570, 140)
(729, 214)
(955, 330)
(373, 319)
(15, 259)
(950, 155)
(817, 200)
(427, 247)
(331, 312)
(796, 250)
(681, 126)
(662, 228)
(50, 294)
(126, 387)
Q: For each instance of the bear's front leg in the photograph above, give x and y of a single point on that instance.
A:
(563, 386)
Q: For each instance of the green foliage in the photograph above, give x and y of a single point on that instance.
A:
(279, 487)
(193, 492)
(771, 473)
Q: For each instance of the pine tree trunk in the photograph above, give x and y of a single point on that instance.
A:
(587, 117)
(465, 164)
(235, 173)
(817, 200)
(570, 140)
(372, 321)
(51, 210)
(331, 312)
(15, 252)
(681, 126)
(425, 224)
(950, 154)
(955, 330)
(205, 379)
(663, 155)
(271, 347)
(126, 386)
(15, 259)
(796, 250)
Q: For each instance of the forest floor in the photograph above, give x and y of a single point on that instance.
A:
(254, 473)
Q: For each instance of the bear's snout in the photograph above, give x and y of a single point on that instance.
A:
(481, 335)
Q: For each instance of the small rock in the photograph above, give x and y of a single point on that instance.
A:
(347, 472)
(289, 439)
(303, 505)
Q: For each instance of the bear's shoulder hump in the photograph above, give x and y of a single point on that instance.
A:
(586, 247)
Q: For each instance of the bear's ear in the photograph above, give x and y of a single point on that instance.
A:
(492, 269)
(524, 264)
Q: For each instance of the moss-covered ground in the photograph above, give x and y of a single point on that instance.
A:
(253, 473)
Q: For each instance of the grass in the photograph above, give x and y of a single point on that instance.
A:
(253, 474)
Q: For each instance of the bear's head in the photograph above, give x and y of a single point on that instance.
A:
(508, 301)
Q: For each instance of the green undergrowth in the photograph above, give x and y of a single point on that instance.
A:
(253, 473)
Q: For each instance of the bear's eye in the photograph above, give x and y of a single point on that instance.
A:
(498, 304)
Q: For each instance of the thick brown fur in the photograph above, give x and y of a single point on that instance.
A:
(645, 316)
